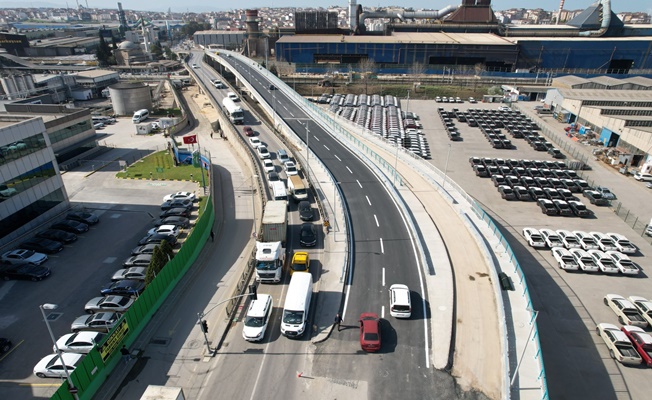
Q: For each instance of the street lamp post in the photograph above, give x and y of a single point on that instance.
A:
(71, 386)
(307, 149)
(534, 321)
(443, 184)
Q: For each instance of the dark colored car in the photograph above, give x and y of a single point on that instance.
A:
(248, 131)
(125, 287)
(536, 193)
(71, 226)
(82, 216)
(370, 338)
(42, 245)
(596, 198)
(29, 272)
(506, 192)
(175, 212)
(187, 204)
(305, 211)
(498, 180)
(308, 235)
(547, 207)
(182, 222)
(522, 193)
(157, 238)
(563, 208)
(481, 171)
(58, 235)
(579, 209)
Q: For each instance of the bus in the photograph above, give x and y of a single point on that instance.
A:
(235, 113)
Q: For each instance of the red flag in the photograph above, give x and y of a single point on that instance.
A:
(190, 139)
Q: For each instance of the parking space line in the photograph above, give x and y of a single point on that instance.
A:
(359, 184)
(368, 201)
(382, 248)
(339, 159)
(376, 218)
(349, 169)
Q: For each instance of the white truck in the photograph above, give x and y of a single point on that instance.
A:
(296, 188)
(155, 392)
(235, 113)
(270, 257)
(274, 222)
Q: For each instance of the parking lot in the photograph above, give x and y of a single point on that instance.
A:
(570, 304)
(127, 210)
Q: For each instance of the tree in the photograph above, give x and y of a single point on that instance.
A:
(193, 26)
(167, 250)
(367, 69)
(155, 265)
(156, 50)
(103, 52)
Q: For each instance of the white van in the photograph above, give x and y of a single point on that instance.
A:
(278, 190)
(400, 305)
(255, 323)
(297, 305)
(233, 96)
(140, 116)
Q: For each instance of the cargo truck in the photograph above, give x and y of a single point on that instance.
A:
(235, 113)
(274, 223)
(296, 188)
(269, 261)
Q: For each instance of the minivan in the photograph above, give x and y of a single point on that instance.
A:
(232, 96)
(257, 318)
(282, 156)
(140, 116)
(400, 305)
(643, 177)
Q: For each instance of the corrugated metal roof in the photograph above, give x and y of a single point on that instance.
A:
(606, 95)
(607, 81)
(403, 37)
(639, 80)
(568, 81)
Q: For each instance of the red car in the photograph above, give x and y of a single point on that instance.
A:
(369, 332)
(641, 340)
(248, 131)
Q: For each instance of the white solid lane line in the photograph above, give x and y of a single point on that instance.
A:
(376, 218)
(368, 201)
(349, 169)
(383, 276)
(382, 312)
(326, 147)
(382, 248)
(316, 138)
(359, 184)
(339, 159)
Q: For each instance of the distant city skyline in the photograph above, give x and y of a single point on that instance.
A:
(210, 5)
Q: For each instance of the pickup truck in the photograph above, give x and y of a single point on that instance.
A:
(596, 198)
(620, 347)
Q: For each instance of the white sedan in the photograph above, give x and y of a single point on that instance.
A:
(255, 142)
(585, 260)
(604, 241)
(180, 196)
(586, 241)
(268, 165)
(565, 259)
(51, 367)
(624, 264)
(627, 313)
(80, 342)
(644, 306)
(534, 238)
(23, 256)
(569, 239)
(606, 264)
(551, 238)
(291, 168)
(263, 153)
(622, 243)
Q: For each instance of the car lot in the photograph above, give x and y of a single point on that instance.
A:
(127, 211)
(571, 304)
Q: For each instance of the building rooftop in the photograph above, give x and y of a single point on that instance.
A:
(606, 94)
(94, 73)
(403, 37)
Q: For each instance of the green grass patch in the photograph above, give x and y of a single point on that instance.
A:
(160, 166)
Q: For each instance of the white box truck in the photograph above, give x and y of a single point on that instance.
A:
(297, 305)
(270, 257)
(296, 188)
(155, 392)
(274, 222)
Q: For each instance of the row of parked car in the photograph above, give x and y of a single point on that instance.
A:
(25, 261)
(588, 252)
(118, 295)
(446, 118)
(629, 344)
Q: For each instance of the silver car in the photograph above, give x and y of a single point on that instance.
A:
(100, 322)
(118, 304)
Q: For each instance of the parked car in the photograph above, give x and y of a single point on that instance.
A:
(24, 256)
(596, 198)
(481, 171)
(534, 238)
(119, 304)
(547, 207)
(626, 312)
(585, 261)
(606, 264)
(126, 287)
(80, 342)
(42, 245)
(135, 273)
(71, 226)
(176, 212)
(506, 192)
(99, 322)
(180, 196)
(182, 222)
(604, 242)
(165, 230)
(569, 239)
(308, 235)
(579, 209)
(84, 217)
(563, 208)
(144, 249)
(30, 272)
(157, 238)
(51, 367)
(370, 332)
(605, 192)
(642, 342)
(536, 193)
(620, 347)
(586, 241)
(622, 244)
(551, 238)
(57, 235)
(644, 307)
(624, 264)
(565, 259)
(187, 204)
(140, 260)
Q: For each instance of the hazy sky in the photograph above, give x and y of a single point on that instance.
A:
(213, 5)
